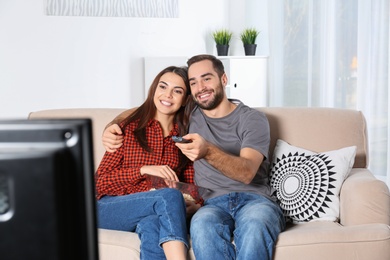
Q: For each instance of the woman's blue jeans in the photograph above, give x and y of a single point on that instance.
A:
(253, 220)
(157, 216)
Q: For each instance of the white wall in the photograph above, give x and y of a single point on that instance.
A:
(63, 62)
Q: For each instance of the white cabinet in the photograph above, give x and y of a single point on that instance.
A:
(247, 79)
(247, 76)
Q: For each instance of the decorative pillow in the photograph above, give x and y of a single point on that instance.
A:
(307, 183)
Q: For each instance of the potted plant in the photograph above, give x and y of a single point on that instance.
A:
(248, 38)
(222, 39)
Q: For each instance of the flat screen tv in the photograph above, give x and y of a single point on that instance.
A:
(47, 194)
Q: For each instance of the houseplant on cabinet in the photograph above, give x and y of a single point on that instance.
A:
(222, 39)
(248, 38)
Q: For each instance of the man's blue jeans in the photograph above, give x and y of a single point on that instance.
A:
(253, 220)
(157, 216)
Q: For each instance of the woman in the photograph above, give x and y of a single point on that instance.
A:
(125, 201)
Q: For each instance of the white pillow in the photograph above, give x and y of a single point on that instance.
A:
(307, 183)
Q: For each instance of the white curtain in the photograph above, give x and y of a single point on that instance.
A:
(334, 53)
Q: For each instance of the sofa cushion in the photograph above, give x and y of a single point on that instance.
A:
(307, 183)
(324, 240)
(118, 245)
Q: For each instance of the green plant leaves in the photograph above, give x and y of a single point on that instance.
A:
(222, 37)
(248, 36)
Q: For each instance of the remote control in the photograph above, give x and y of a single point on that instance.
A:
(179, 139)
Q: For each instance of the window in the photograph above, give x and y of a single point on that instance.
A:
(334, 54)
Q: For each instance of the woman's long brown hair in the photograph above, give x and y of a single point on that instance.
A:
(147, 111)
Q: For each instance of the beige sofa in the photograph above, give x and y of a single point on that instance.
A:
(363, 231)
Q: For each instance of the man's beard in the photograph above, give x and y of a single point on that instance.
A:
(213, 103)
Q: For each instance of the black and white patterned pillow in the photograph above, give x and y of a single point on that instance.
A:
(307, 183)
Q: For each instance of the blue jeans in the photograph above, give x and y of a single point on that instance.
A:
(157, 216)
(253, 220)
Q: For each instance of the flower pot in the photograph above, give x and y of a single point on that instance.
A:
(250, 49)
(222, 50)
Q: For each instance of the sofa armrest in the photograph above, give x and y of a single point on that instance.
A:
(100, 118)
(364, 199)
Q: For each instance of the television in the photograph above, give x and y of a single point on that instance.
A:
(47, 191)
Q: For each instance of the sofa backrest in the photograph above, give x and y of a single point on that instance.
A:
(315, 129)
(319, 129)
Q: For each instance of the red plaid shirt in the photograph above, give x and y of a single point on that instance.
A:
(119, 172)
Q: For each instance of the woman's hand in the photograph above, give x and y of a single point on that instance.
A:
(163, 171)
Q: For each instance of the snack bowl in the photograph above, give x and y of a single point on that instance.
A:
(190, 192)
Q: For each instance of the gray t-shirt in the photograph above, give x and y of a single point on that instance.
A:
(244, 127)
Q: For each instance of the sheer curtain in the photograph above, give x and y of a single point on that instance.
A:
(333, 53)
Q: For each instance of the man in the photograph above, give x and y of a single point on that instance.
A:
(229, 148)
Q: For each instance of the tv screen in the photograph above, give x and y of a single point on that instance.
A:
(47, 191)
